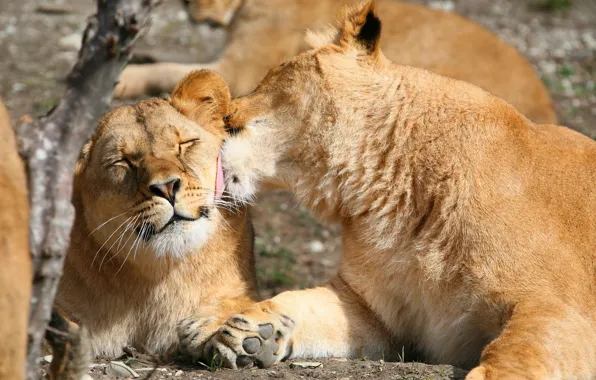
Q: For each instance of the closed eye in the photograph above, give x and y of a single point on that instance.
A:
(186, 144)
(124, 162)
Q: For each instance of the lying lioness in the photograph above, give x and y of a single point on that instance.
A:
(15, 272)
(469, 231)
(262, 33)
(153, 240)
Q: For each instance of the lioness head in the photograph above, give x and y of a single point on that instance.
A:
(214, 12)
(312, 89)
(149, 180)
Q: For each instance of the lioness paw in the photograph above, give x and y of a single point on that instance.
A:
(193, 334)
(258, 336)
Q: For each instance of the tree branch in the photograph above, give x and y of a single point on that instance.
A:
(50, 147)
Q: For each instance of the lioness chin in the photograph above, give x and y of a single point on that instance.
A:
(263, 33)
(469, 231)
(153, 240)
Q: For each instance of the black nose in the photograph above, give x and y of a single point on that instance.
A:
(166, 190)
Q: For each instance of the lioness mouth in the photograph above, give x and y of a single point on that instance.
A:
(148, 233)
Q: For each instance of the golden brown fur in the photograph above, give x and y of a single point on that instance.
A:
(15, 272)
(414, 35)
(132, 272)
(469, 231)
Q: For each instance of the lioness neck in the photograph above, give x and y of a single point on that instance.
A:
(383, 156)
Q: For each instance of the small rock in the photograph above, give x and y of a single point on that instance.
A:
(71, 42)
(120, 369)
(305, 365)
(86, 377)
(316, 246)
(10, 30)
(47, 359)
(181, 16)
(179, 373)
(16, 88)
(447, 6)
(54, 9)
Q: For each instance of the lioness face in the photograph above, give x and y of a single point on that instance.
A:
(149, 181)
(214, 12)
(311, 91)
(261, 123)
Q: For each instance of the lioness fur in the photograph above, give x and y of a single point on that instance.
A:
(263, 33)
(151, 243)
(15, 272)
(469, 231)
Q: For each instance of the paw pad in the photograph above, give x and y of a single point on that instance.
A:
(251, 345)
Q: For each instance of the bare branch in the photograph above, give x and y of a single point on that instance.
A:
(51, 145)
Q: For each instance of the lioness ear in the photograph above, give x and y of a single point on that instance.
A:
(362, 28)
(202, 96)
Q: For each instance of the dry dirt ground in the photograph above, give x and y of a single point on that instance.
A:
(294, 250)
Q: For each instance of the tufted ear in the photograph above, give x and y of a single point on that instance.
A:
(362, 28)
(202, 96)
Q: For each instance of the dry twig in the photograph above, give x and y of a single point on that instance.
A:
(50, 147)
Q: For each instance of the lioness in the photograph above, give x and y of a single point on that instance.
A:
(15, 272)
(153, 240)
(469, 231)
(265, 32)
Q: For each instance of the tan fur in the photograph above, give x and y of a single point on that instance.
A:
(469, 231)
(130, 291)
(263, 33)
(15, 272)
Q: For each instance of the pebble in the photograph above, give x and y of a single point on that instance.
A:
(305, 365)
(47, 359)
(179, 373)
(316, 246)
(120, 369)
(71, 42)
(447, 6)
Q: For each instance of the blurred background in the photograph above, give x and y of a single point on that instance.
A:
(39, 41)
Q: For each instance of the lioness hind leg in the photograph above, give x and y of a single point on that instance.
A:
(541, 341)
(138, 80)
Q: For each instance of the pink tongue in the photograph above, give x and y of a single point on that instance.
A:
(219, 180)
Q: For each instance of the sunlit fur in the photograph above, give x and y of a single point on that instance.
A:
(263, 33)
(130, 277)
(469, 231)
(15, 272)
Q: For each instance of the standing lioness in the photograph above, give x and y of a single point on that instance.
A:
(469, 231)
(153, 241)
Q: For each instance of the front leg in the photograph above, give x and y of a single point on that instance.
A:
(330, 321)
(195, 331)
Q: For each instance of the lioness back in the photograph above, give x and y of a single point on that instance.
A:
(15, 272)
(154, 240)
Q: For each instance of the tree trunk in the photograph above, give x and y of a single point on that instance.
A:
(50, 147)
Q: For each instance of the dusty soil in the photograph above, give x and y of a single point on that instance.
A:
(329, 369)
(295, 250)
